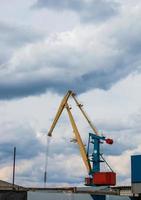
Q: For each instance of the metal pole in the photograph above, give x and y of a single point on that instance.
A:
(14, 161)
(48, 140)
(45, 179)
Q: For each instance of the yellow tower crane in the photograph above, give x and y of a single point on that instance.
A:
(92, 164)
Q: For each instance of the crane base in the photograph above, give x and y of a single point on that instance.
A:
(101, 179)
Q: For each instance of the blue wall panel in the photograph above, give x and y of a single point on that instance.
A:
(98, 197)
(136, 169)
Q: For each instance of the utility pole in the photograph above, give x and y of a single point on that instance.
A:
(14, 162)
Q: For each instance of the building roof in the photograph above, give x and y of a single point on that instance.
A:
(9, 186)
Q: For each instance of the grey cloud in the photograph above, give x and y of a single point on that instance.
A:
(12, 87)
(23, 138)
(93, 10)
(69, 148)
(16, 36)
(13, 37)
(117, 148)
(55, 175)
(66, 179)
(57, 64)
(28, 148)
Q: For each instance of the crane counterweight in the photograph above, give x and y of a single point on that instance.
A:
(109, 141)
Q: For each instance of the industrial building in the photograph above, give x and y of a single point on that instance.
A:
(10, 192)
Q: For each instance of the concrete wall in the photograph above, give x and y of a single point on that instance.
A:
(12, 195)
(43, 195)
(136, 188)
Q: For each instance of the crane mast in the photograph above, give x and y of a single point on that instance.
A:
(79, 140)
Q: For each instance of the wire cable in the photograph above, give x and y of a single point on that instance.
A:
(106, 162)
(48, 139)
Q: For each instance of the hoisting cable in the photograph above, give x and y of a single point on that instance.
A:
(106, 163)
(48, 139)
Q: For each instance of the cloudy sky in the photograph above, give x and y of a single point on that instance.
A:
(48, 47)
